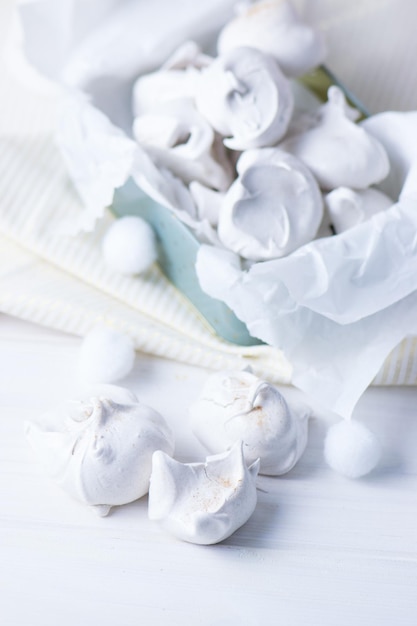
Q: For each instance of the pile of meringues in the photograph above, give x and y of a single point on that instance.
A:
(109, 449)
(264, 178)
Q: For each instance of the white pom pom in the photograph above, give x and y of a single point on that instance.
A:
(351, 449)
(105, 356)
(129, 246)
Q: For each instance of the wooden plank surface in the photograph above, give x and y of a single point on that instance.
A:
(319, 549)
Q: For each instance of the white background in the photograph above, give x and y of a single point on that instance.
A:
(319, 549)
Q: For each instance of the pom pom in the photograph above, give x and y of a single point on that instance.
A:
(351, 449)
(106, 356)
(129, 245)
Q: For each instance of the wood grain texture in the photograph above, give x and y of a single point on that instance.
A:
(319, 549)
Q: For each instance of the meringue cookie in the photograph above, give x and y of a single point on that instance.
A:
(347, 207)
(207, 201)
(275, 27)
(176, 136)
(272, 208)
(203, 503)
(397, 132)
(236, 405)
(339, 152)
(150, 90)
(176, 78)
(99, 450)
(245, 97)
(163, 187)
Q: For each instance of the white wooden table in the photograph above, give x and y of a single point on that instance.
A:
(319, 549)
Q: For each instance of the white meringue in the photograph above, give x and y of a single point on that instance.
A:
(409, 188)
(275, 27)
(236, 405)
(207, 201)
(339, 152)
(100, 451)
(246, 98)
(272, 208)
(129, 245)
(397, 132)
(188, 54)
(347, 207)
(176, 78)
(176, 136)
(166, 189)
(203, 503)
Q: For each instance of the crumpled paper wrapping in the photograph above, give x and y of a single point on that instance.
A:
(337, 307)
(332, 362)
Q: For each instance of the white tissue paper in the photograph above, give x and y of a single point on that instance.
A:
(336, 306)
(339, 305)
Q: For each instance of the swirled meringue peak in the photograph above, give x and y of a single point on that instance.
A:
(339, 152)
(347, 207)
(177, 78)
(162, 86)
(246, 98)
(275, 27)
(236, 405)
(100, 450)
(177, 137)
(272, 208)
(203, 503)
